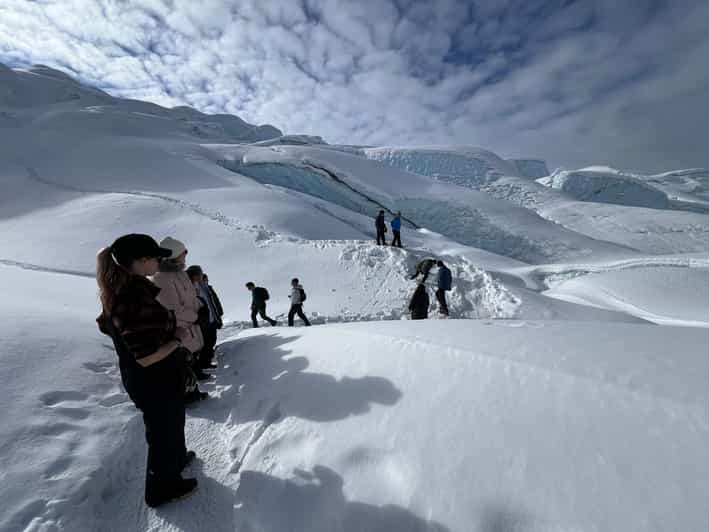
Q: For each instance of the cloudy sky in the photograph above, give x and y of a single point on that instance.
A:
(624, 83)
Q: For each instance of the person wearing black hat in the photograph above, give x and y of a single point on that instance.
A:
(148, 344)
(381, 227)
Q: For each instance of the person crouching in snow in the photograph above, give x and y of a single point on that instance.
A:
(418, 306)
(297, 298)
(423, 268)
(178, 294)
(151, 359)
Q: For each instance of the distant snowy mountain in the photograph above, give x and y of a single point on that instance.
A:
(567, 391)
(51, 97)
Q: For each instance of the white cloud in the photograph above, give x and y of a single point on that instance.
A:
(603, 82)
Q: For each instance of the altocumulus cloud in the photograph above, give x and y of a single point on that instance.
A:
(576, 82)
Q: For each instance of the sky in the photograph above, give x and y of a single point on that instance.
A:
(621, 83)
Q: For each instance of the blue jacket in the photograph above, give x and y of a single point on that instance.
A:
(396, 224)
(445, 278)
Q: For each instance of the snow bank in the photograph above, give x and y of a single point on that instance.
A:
(531, 168)
(607, 186)
(661, 294)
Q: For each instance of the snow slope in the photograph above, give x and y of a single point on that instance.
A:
(553, 402)
(605, 185)
(666, 295)
(435, 426)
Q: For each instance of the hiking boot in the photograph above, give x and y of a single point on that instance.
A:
(179, 489)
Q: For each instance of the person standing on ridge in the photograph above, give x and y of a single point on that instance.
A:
(150, 357)
(381, 226)
(445, 282)
(423, 268)
(418, 306)
(396, 229)
(259, 297)
(297, 298)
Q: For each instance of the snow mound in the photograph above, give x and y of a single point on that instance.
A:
(605, 185)
(661, 294)
(459, 165)
(531, 168)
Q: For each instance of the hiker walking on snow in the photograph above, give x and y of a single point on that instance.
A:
(381, 227)
(445, 282)
(259, 297)
(396, 229)
(423, 268)
(297, 298)
(418, 306)
(178, 294)
(151, 358)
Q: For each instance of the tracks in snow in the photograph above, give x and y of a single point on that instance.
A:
(261, 232)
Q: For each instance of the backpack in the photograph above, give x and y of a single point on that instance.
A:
(266, 295)
(303, 297)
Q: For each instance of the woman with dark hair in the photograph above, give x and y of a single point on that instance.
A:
(148, 344)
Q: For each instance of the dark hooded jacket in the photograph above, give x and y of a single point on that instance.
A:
(419, 303)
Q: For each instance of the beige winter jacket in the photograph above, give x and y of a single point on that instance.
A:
(178, 293)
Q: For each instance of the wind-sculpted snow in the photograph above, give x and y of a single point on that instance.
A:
(461, 166)
(608, 187)
(531, 168)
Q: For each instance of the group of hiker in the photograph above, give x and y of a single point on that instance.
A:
(381, 228)
(259, 296)
(163, 318)
(420, 302)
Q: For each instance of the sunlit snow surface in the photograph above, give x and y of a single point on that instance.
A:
(568, 391)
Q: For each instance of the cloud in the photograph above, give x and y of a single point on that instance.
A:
(575, 82)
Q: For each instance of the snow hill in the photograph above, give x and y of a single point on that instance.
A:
(567, 392)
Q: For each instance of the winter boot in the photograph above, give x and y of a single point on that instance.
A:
(159, 493)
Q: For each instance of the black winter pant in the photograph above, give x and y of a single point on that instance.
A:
(443, 304)
(159, 391)
(260, 309)
(381, 237)
(396, 241)
(210, 341)
(297, 309)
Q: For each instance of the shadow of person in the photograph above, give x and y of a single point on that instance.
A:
(315, 502)
(258, 374)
